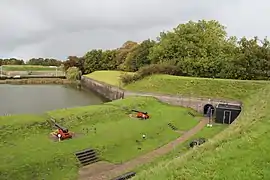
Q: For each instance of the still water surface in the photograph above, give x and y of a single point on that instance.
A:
(25, 99)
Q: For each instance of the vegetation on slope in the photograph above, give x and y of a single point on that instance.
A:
(196, 87)
(187, 86)
(182, 148)
(239, 152)
(29, 153)
(109, 77)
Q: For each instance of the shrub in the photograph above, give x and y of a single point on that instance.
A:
(73, 73)
(149, 70)
(128, 78)
(159, 69)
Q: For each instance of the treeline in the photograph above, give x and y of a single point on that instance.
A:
(32, 61)
(200, 49)
(130, 57)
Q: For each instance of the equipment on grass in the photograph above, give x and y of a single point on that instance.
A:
(172, 127)
(141, 115)
(197, 142)
(61, 133)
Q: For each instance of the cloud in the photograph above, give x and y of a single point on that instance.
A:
(31, 28)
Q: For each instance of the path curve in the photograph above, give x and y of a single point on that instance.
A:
(116, 170)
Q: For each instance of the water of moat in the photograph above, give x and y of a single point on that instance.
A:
(36, 99)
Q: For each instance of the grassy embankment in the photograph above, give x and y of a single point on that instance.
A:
(27, 152)
(109, 77)
(187, 86)
(239, 152)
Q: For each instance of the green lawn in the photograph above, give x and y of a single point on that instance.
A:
(109, 77)
(187, 86)
(210, 88)
(239, 152)
(181, 149)
(27, 68)
(28, 153)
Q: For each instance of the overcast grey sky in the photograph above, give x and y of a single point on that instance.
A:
(58, 28)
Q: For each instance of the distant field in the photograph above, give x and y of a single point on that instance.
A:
(30, 154)
(187, 86)
(27, 68)
(109, 77)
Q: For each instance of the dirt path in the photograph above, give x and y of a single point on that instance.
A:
(110, 170)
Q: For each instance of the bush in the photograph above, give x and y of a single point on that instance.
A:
(73, 73)
(128, 78)
(149, 70)
(159, 69)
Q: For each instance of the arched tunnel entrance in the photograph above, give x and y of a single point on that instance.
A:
(206, 109)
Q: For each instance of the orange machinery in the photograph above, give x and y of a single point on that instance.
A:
(141, 115)
(61, 132)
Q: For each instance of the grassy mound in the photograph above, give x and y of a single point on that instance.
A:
(187, 86)
(202, 87)
(109, 77)
(27, 152)
(27, 68)
(239, 152)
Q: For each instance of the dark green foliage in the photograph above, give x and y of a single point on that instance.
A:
(200, 49)
(44, 62)
(11, 61)
(138, 56)
(73, 74)
(129, 78)
(74, 61)
(32, 61)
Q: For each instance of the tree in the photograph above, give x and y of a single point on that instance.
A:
(108, 60)
(93, 61)
(122, 52)
(74, 61)
(44, 62)
(195, 47)
(73, 73)
(138, 56)
(11, 61)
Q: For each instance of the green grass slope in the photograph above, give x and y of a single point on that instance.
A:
(27, 152)
(183, 148)
(187, 86)
(197, 87)
(239, 152)
(109, 77)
